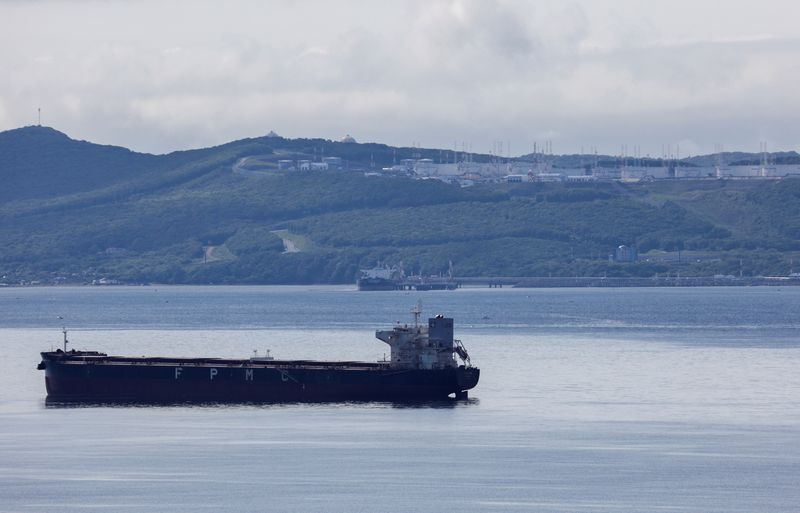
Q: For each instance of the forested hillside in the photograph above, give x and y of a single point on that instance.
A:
(74, 212)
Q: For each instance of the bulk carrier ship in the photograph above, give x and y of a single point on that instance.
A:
(423, 366)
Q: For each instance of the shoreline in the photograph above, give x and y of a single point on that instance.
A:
(486, 282)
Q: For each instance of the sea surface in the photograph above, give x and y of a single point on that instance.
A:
(590, 400)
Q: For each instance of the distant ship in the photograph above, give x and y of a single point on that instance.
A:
(423, 366)
(379, 278)
(392, 278)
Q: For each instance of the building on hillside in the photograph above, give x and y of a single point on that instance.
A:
(580, 178)
(425, 167)
(624, 254)
(333, 163)
(549, 177)
(397, 170)
(607, 173)
(694, 172)
(643, 173)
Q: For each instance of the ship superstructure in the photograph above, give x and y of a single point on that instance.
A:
(379, 278)
(424, 347)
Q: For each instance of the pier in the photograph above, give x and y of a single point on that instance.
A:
(654, 281)
(428, 283)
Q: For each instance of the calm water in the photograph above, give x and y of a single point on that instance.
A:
(631, 400)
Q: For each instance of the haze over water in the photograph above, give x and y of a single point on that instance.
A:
(623, 400)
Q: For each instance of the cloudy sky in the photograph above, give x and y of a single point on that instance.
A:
(158, 76)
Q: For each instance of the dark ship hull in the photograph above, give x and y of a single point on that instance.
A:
(373, 284)
(91, 376)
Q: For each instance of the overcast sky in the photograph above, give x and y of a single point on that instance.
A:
(158, 76)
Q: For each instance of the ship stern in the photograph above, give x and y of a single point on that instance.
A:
(466, 379)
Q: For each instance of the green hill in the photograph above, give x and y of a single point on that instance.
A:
(39, 162)
(75, 212)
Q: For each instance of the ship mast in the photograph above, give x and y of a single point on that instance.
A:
(416, 311)
(64, 331)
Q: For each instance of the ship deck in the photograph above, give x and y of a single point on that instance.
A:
(90, 359)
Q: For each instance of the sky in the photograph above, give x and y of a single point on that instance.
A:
(643, 77)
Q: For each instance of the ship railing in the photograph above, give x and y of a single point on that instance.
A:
(461, 351)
